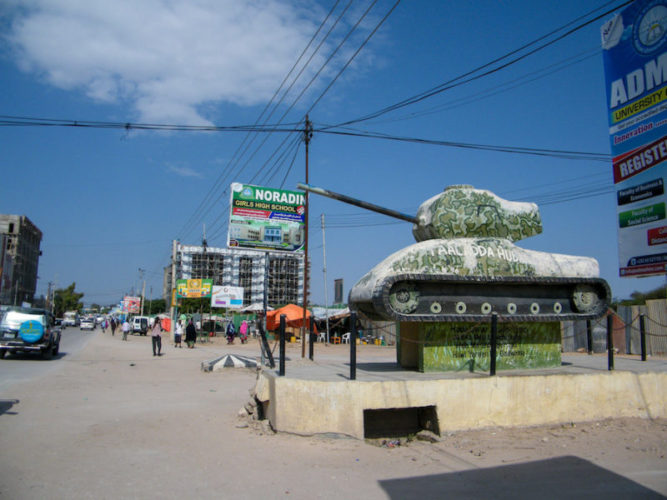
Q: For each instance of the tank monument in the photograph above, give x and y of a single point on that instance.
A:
(464, 272)
(466, 299)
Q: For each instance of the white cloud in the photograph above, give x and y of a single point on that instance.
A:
(164, 58)
(183, 171)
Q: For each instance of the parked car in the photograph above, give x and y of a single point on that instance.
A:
(140, 325)
(87, 324)
(29, 330)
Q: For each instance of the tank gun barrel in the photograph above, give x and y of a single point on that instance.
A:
(358, 203)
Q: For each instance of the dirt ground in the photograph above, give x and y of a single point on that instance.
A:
(115, 422)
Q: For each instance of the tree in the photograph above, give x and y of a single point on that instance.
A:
(66, 299)
(156, 306)
(638, 298)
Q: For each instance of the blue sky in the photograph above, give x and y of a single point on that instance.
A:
(109, 201)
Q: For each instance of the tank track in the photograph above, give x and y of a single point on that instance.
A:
(450, 298)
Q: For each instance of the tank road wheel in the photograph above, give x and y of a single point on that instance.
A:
(404, 298)
(461, 307)
(585, 299)
(436, 308)
(535, 308)
(486, 308)
(558, 308)
(511, 308)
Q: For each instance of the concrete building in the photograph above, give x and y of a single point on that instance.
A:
(19, 259)
(239, 267)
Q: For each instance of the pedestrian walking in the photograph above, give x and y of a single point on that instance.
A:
(126, 329)
(156, 337)
(190, 334)
(178, 334)
(104, 325)
(243, 331)
(112, 323)
(231, 332)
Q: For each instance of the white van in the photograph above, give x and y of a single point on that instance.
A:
(139, 325)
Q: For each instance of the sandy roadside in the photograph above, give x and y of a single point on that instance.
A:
(115, 422)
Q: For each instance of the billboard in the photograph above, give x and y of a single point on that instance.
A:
(194, 289)
(131, 305)
(635, 59)
(227, 296)
(266, 218)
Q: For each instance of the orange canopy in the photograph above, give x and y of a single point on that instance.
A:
(293, 317)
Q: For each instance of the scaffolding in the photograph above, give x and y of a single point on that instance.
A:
(282, 273)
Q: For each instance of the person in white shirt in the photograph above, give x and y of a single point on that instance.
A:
(178, 334)
(126, 329)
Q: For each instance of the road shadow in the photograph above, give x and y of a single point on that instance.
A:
(29, 356)
(6, 405)
(561, 477)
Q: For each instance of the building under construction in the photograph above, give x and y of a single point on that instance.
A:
(19, 258)
(282, 273)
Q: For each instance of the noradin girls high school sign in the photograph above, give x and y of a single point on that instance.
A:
(266, 218)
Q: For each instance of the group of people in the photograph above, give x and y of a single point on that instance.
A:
(190, 333)
(231, 332)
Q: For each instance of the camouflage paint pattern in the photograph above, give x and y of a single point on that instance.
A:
(465, 212)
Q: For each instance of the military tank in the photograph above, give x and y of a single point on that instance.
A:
(465, 266)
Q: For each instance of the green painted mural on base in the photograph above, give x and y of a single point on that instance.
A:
(466, 346)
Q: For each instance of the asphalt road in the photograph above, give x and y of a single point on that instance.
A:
(27, 367)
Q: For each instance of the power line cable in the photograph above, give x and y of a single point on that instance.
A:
(555, 153)
(236, 155)
(467, 78)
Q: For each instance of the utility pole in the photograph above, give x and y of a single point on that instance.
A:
(143, 289)
(47, 306)
(307, 135)
(324, 269)
(172, 290)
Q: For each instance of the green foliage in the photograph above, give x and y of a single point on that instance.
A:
(156, 306)
(640, 298)
(66, 299)
(189, 306)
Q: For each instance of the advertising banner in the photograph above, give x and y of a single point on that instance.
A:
(635, 59)
(132, 305)
(194, 289)
(227, 296)
(266, 218)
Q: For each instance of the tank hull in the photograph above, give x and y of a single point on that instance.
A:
(468, 279)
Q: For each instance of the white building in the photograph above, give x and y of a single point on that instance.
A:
(281, 272)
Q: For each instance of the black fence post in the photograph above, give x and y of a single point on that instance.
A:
(494, 335)
(265, 346)
(642, 336)
(311, 347)
(353, 345)
(589, 336)
(610, 342)
(281, 368)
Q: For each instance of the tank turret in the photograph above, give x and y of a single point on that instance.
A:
(464, 212)
(465, 267)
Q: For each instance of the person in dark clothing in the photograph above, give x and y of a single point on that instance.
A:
(190, 334)
(231, 332)
(112, 323)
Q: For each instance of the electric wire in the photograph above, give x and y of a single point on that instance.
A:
(190, 222)
(470, 75)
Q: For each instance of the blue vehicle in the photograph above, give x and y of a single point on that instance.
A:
(24, 330)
